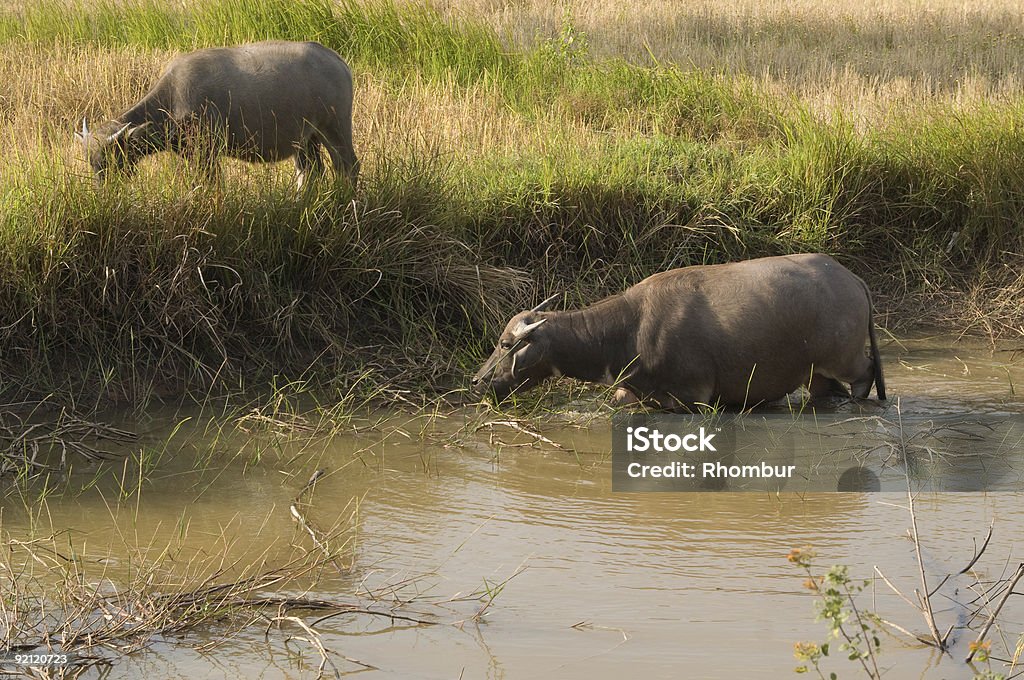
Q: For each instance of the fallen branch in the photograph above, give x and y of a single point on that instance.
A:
(519, 427)
(22, 441)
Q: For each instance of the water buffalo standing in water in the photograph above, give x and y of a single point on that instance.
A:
(733, 334)
(265, 101)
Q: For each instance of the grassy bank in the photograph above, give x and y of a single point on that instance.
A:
(496, 168)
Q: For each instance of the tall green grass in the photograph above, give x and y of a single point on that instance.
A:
(154, 284)
(380, 34)
(192, 287)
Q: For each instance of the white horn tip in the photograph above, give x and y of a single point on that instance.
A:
(547, 302)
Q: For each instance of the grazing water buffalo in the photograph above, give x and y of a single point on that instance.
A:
(266, 101)
(734, 334)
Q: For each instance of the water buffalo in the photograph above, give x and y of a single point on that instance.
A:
(733, 334)
(265, 101)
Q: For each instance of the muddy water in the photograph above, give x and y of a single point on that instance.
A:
(598, 585)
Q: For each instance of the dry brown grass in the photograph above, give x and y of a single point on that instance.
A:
(868, 58)
(46, 91)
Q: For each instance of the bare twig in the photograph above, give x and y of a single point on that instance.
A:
(519, 427)
(995, 612)
(979, 553)
(895, 589)
(313, 638)
(901, 629)
(925, 600)
(24, 438)
(319, 537)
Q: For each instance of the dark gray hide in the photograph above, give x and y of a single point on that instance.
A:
(734, 334)
(265, 101)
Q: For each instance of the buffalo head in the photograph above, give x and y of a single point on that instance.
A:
(113, 146)
(522, 357)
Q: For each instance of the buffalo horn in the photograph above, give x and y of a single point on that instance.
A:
(119, 132)
(526, 329)
(543, 305)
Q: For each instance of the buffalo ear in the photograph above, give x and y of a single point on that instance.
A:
(525, 329)
(137, 131)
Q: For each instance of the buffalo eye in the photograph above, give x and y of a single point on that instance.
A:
(505, 344)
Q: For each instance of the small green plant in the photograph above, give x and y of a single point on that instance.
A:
(573, 44)
(836, 605)
(982, 651)
(570, 49)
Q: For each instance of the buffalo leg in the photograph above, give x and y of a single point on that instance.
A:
(343, 154)
(623, 397)
(308, 162)
(200, 147)
(861, 387)
(822, 387)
